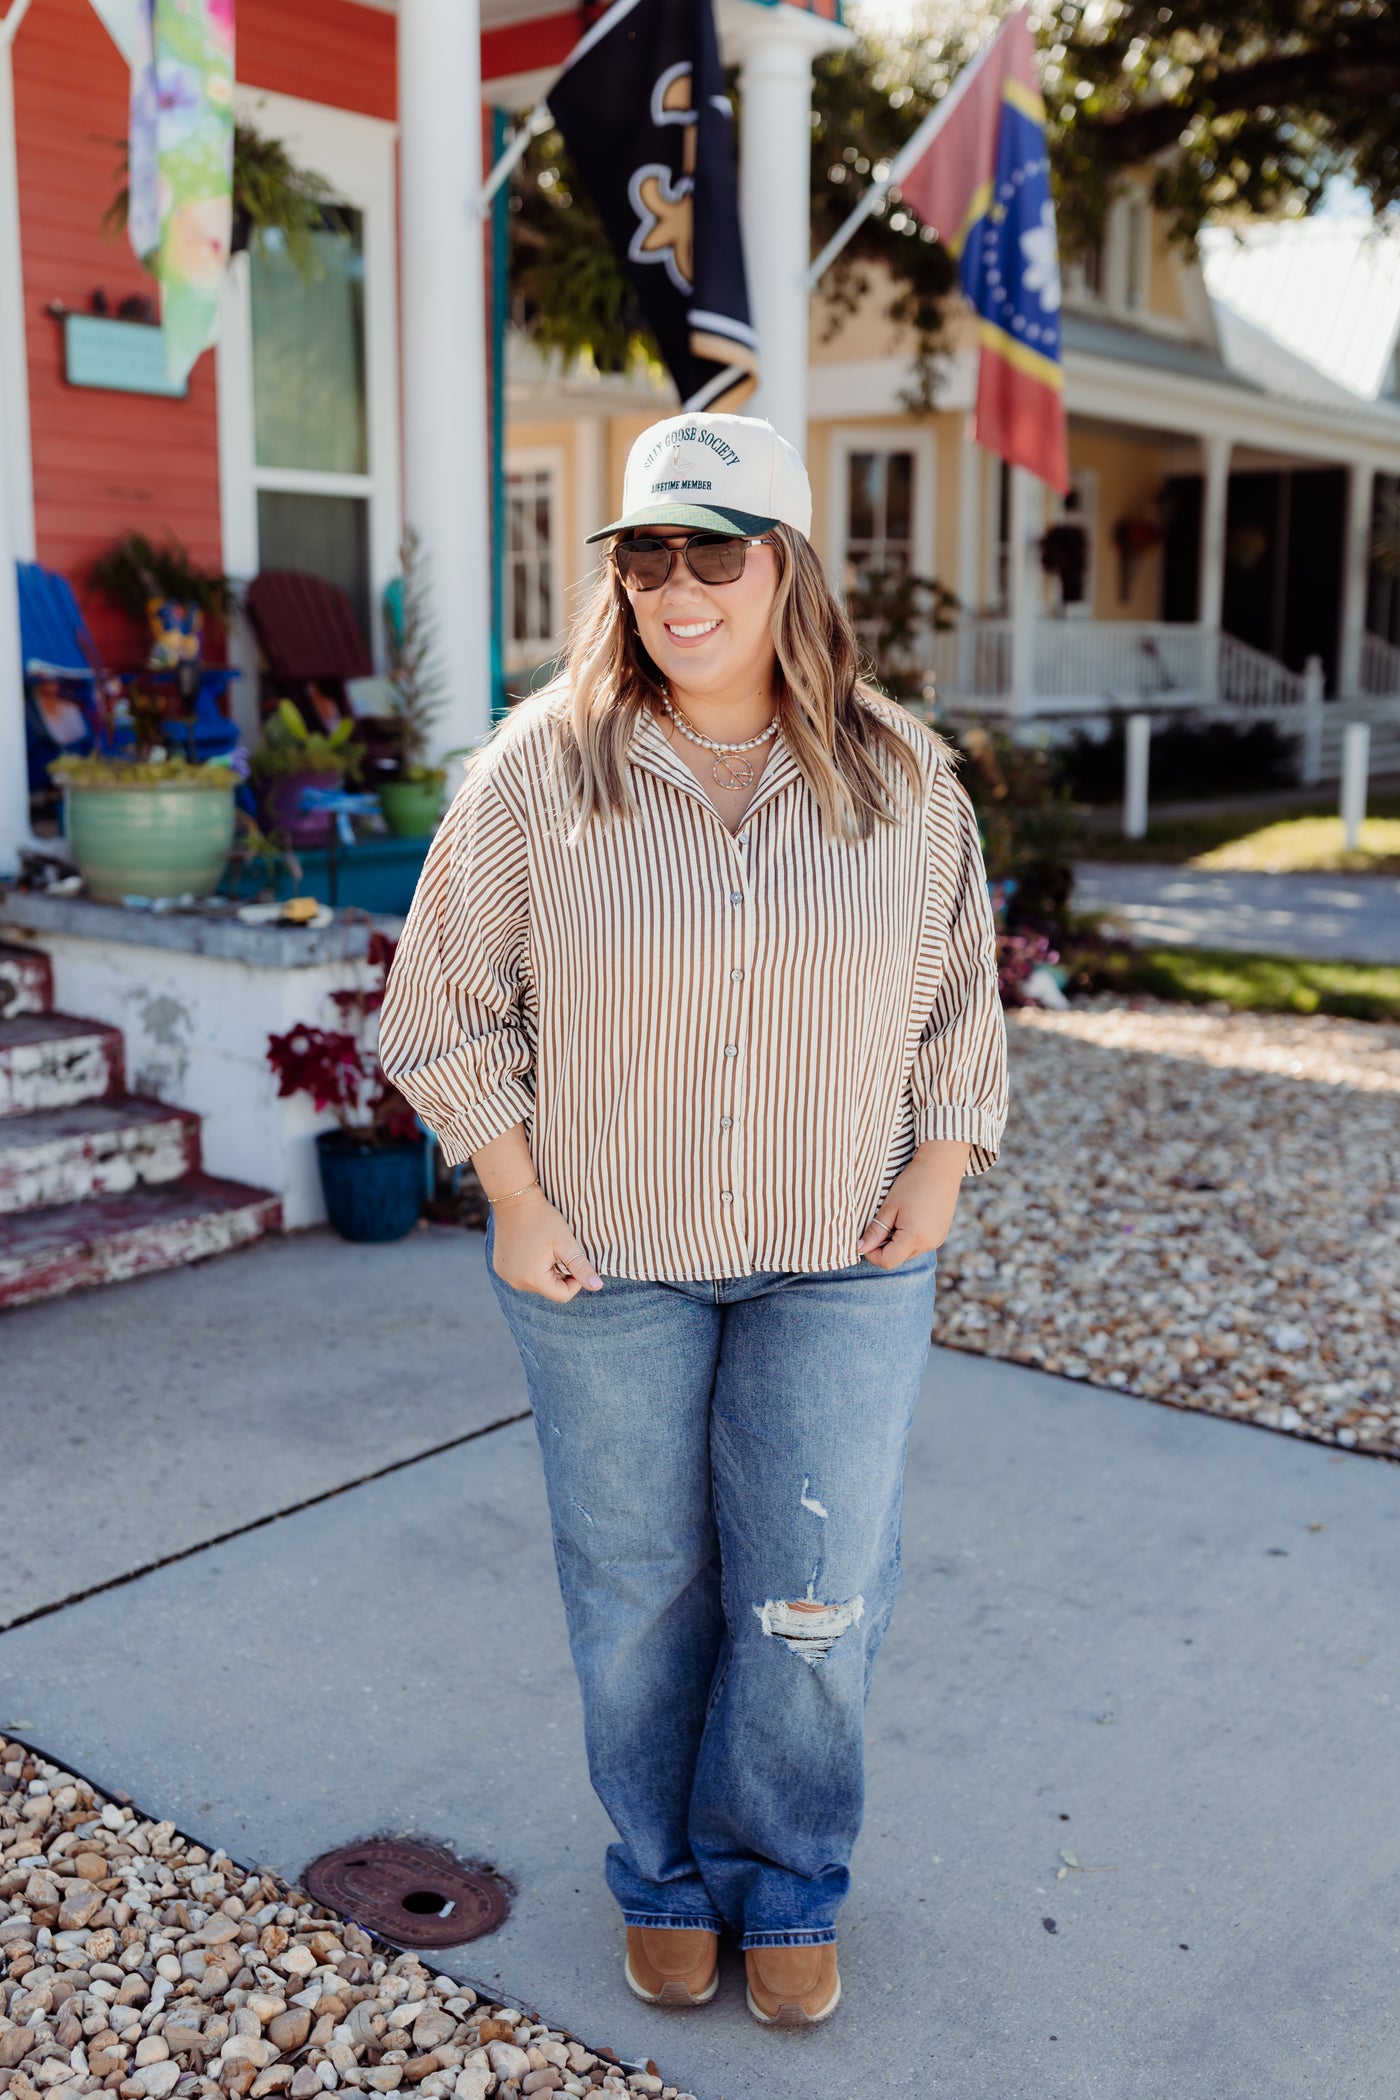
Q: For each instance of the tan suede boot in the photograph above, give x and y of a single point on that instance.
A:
(672, 1966)
(793, 1986)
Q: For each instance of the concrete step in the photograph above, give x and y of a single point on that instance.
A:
(107, 1239)
(52, 1060)
(94, 1148)
(26, 981)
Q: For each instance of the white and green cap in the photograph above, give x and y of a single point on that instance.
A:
(715, 473)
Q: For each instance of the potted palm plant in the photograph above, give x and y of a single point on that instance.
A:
(410, 793)
(372, 1162)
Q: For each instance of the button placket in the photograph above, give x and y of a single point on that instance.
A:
(733, 1091)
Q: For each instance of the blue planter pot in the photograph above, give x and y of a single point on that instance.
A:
(373, 1192)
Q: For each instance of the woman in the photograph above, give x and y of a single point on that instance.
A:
(700, 975)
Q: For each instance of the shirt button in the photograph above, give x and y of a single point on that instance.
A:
(731, 1049)
(743, 838)
(737, 976)
(726, 1195)
(726, 1122)
(736, 896)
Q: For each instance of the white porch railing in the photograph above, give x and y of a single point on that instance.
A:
(1081, 666)
(1254, 682)
(1380, 667)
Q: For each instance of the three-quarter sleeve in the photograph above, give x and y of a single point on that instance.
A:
(451, 1033)
(959, 1076)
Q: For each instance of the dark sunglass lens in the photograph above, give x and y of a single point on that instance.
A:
(717, 560)
(645, 564)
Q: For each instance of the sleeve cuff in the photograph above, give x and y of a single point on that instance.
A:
(468, 1129)
(968, 1126)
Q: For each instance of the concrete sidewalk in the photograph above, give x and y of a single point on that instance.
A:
(1347, 918)
(1160, 1641)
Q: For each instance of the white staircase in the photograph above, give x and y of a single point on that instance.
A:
(96, 1184)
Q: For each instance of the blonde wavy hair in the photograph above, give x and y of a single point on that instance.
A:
(839, 728)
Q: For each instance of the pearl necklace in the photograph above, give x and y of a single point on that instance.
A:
(733, 773)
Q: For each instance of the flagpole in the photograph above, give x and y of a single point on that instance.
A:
(9, 28)
(538, 120)
(913, 149)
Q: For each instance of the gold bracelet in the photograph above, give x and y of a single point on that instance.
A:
(494, 1200)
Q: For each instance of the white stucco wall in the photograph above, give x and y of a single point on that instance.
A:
(196, 1029)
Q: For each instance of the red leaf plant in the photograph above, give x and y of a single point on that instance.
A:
(1017, 955)
(340, 1069)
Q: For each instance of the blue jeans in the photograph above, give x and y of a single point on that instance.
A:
(725, 1463)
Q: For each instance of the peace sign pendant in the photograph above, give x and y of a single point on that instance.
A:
(733, 773)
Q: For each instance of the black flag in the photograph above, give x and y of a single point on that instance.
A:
(642, 107)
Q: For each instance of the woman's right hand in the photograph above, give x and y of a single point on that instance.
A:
(535, 1250)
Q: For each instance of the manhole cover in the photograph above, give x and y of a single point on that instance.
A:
(411, 1894)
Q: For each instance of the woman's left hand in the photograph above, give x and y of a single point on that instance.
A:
(917, 1214)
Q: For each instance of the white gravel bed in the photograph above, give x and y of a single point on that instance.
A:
(136, 1963)
(1199, 1207)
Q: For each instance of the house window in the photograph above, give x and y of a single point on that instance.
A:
(880, 519)
(310, 407)
(532, 547)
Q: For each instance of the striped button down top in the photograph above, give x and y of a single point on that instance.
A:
(724, 1047)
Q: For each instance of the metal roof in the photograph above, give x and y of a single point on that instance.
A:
(1097, 336)
(1259, 358)
(1328, 289)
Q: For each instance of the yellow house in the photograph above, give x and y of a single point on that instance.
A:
(1220, 518)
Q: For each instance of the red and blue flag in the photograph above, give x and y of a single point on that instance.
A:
(984, 184)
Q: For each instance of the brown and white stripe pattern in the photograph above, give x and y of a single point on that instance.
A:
(724, 1047)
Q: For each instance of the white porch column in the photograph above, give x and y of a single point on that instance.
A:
(591, 488)
(16, 489)
(971, 467)
(1356, 562)
(1023, 584)
(14, 775)
(1214, 497)
(775, 145)
(447, 471)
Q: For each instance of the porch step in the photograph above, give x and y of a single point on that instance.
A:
(26, 981)
(93, 1148)
(106, 1239)
(51, 1060)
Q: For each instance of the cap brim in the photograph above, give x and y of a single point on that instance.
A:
(691, 514)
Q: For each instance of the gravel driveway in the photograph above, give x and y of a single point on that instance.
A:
(1199, 1208)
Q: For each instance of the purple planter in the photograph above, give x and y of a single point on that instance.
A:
(282, 810)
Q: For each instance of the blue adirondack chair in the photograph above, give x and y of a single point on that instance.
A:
(62, 673)
(61, 670)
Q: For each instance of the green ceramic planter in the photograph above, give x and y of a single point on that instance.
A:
(150, 841)
(411, 808)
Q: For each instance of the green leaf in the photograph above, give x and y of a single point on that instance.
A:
(288, 718)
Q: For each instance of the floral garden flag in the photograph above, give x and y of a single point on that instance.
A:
(181, 165)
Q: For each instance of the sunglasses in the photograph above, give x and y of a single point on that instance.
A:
(711, 557)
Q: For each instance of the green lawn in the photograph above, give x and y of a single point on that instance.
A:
(1309, 843)
(1273, 984)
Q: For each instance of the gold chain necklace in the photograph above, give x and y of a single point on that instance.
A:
(731, 770)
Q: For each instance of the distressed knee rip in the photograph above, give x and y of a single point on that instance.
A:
(810, 1629)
